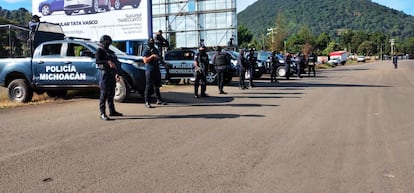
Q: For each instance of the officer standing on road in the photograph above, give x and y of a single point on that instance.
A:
(220, 60)
(110, 68)
(274, 64)
(287, 65)
(311, 64)
(201, 65)
(301, 62)
(395, 61)
(243, 65)
(152, 73)
(252, 64)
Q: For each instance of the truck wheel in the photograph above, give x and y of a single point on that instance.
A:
(19, 91)
(57, 93)
(281, 71)
(211, 78)
(67, 12)
(121, 90)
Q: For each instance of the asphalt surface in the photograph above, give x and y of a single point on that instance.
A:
(348, 130)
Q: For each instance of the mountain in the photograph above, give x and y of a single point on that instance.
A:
(328, 16)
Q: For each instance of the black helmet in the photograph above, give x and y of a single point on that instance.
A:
(35, 17)
(105, 39)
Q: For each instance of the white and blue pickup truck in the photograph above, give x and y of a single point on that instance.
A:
(59, 64)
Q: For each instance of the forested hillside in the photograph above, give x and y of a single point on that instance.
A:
(19, 17)
(327, 16)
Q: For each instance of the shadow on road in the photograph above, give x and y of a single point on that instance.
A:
(200, 116)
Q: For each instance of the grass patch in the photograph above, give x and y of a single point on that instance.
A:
(40, 98)
(37, 99)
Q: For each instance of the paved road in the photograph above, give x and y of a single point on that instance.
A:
(349, 130)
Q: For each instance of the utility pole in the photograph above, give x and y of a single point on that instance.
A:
(392, 41)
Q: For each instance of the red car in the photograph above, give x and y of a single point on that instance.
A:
(118, 4)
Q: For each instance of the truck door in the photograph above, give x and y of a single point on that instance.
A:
(59, 66)
(47, 65)
(81, 58)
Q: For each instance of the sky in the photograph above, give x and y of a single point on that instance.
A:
(401, 5)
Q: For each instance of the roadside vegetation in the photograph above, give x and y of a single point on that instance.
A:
(37, 99)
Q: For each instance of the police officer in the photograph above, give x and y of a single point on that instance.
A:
(300, 64)
(243, 64)
(201, 65)
(33, 23)
(274, 60)
(287, 65)
(220, 60)
(252, 65)
(161, 42)
(395, 61)
(110, 68)
(311, 64)
(152, 73)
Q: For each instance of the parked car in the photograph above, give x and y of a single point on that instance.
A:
(88, 6)
(47, 7)
(361, 59)
(118, 4)
(180, 65)
(263, 60)
(334, 61)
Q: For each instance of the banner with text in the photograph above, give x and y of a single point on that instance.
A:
(121, 19)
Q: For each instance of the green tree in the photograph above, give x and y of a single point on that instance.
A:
(244, 36)
(322, 42)
(367, 48)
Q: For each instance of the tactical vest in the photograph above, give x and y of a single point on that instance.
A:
(220, 59)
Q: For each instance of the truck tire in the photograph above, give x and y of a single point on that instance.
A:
(20, 91)
(122, 90)
(281, 71)
(211, 78)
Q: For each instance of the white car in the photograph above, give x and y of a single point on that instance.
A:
(74, 6)
(361, 59)
(334, 61)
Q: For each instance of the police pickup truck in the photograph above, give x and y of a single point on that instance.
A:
(181, 66)
(59, 64)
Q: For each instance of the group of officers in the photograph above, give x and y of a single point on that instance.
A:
(110, 68)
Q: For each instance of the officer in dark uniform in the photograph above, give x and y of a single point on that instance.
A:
(201, 65)
(274, 60)
(395, 61)
(110, 67)
(152, 73)
(287, 65)
(301, 62)
(252, 65)
(243, 65)
(311, 64)
(220, 60)
(161, 42)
